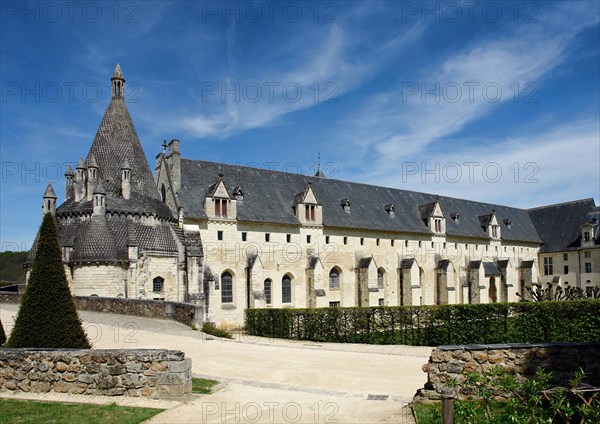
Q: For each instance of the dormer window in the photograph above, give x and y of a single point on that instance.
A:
(221, 208)
(345, 203)
(238, 194)
(507, 222)
(494, 231)
(438, 225)
(454, 216)
(587, 236)
(390, 209)
(309, 212)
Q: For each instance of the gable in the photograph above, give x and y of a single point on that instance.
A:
(309, 196)
(220, 190)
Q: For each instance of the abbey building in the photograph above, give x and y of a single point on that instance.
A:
(231, 237)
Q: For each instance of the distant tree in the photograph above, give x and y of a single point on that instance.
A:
(2, 334)
(537, 293)
(47, 317)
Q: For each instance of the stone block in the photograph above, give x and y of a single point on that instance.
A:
(40, 387)
(24, 385)
(10, 384)
(60, 366)
(61, 387)
(180, 366)
(86, 378)
(117, 369)
(69, 376)
(159, 366)
(480, 356)
(455, 367)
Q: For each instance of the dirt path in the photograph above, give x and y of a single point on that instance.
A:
(272, 380)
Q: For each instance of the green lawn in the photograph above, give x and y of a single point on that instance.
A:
(203, 386)
(26, 411)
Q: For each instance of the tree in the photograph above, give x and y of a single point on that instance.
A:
(2, 334)
(47, 317)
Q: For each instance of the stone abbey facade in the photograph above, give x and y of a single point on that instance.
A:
(231, 237)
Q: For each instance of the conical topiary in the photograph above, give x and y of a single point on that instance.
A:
(2, 334)
(47, 317)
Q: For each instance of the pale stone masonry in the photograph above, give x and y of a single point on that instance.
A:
(160, 374)
(229, 237)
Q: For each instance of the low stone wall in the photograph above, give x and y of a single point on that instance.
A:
(449, 363)
(160, 374)
(185, 313)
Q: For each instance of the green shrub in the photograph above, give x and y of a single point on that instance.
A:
(47, 317)
(534, 322)
(213, 330)
(2, 334)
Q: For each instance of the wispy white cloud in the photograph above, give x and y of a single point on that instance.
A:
(548, 167)
(465, 86)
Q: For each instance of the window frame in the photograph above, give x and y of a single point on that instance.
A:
(226, 287)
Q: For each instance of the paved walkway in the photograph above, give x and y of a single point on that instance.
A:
(275, 381)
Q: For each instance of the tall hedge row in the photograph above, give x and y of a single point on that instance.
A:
(526, 322)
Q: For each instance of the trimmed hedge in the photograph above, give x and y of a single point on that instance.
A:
(525, 322)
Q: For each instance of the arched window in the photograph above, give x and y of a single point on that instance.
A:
(226, 288)
(380, 274)
(286, 289)
(158, 285)
(334, 278)
(267, 289)
(163, 193)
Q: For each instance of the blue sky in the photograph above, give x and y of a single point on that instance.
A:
(491, 101)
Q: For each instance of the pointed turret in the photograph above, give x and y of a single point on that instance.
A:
(49, 205)
(92, 173)
(118, 83)
(319, 173)
(126, 179)
(69, 194)
(80, 183)
(99, 199)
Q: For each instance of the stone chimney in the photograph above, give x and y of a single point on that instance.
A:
(174, 162)
(69, 193)
(92, 176)
(49, 205)
(126, 180)
(99, 200)
(80, 183)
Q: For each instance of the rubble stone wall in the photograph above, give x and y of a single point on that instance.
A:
(185, 313)
(453, 363)
(159, 374)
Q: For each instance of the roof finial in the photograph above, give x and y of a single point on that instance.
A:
(118, 83)
(220, 174)
(164, 146)
(319, 173)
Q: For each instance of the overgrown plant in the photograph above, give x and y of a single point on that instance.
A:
(213, 330)
(532, 400)
(47, 317)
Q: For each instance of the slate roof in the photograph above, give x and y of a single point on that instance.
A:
(490, 269)
(116, 142)
(269, 196)
(106, 239)
(559, 225)
(363, 263)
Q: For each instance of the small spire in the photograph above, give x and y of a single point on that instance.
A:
(92, 161)
(80, 164)
(99, 189)
(126, 164)
(118, 73)
(319, 172)
(118, 83)
(50, 192)
(69, 171)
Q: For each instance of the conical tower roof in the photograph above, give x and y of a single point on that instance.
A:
(50, 192)
(115, 141)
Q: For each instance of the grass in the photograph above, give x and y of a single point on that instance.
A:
(203, 386)
(26, 411)
(431, 413)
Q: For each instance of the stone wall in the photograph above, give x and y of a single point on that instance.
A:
(185, 313)
(160, 374)
(449, 363)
